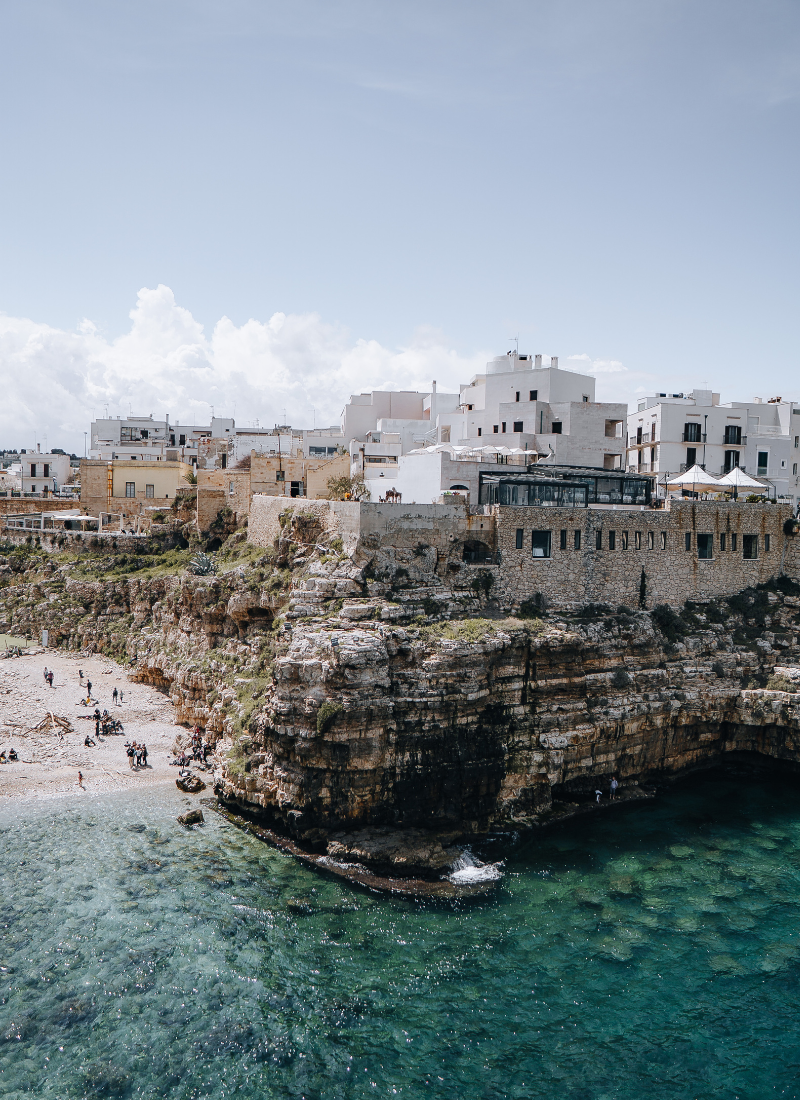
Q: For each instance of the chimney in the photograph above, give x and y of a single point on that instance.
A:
(537, 362)
(433, 390)
(554, 362)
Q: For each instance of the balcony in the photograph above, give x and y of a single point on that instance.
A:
(701, 438)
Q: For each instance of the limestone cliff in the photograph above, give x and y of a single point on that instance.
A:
(350, 694)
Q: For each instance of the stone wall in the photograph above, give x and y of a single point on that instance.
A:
(14, 506)
(335, 519)
(649, 541)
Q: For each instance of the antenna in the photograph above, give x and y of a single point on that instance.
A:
(516, 341)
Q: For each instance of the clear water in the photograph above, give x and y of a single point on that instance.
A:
(650, 952)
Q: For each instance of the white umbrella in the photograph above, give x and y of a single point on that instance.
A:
(696, 477)
(740, 480)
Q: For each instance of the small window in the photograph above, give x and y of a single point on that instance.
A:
(540, 544)
(556, 427)
(181, 440)
(496, 428)
(130, 488)
(33, 488)
(598, 540)
(480, 431)
(535, 397)
(46, 471)
(623, 542)
(280, 475)
(518, 426)
(691, 456)
(763, 462)
(750, 546)
(651, 540)
(612, 540)
(563, 541)
(586, 399)
(722, 541)
(766, 544)
(705, 546)
(520, 533)
(794, 467)
(504, 427)
(663, 540)
(688, 540)
(150, 491)
(230, 488)
(577, 541)
(734, 539)
(33, 469)
(797, 441)
(517, 398)
(637, 540)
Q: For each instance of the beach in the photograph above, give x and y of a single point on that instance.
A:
(50, 759)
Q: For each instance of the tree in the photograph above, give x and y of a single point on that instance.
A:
(348, 488)
(190, 478)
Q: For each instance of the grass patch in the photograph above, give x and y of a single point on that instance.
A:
(473, 630)
(326, 716)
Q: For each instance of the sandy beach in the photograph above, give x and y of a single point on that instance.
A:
(48, 762)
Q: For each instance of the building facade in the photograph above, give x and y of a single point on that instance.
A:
(143, 439)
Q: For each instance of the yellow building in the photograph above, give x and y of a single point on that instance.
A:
(130, 488)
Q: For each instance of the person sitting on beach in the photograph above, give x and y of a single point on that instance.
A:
(88, 742)
(3, 756)
(12, 754)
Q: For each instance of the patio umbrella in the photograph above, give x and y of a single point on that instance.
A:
(737, 479)
(694, 478)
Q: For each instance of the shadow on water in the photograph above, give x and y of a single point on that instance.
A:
(652, 950)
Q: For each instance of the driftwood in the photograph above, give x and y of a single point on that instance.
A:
(53, 724)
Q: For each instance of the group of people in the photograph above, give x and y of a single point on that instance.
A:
(612, 791)
(48, 676)
(198, 751)
(137, 754)
(8, 757)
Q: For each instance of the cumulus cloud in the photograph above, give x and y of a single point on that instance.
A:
(293, 365)
(296, 369)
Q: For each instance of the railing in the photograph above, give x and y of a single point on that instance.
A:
(700, 438)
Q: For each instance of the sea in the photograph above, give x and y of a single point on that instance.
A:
(648, 951)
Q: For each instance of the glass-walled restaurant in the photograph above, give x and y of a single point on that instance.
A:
(565, 487)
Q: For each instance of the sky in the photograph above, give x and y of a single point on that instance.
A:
(267, 206)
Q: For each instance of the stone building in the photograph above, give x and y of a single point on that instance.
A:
(131, 488)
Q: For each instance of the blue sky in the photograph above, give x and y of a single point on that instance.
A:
(612, 180)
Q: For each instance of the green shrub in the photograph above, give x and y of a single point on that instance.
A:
(326, 716)
(780, 683)
(668, 622)
(535, 607)
(337, 545)
(718, 669)
(621, 679)
(482, 582)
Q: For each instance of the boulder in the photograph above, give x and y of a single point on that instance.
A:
(193, 817)
(191, 784)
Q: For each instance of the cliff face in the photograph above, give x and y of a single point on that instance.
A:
(349, 694)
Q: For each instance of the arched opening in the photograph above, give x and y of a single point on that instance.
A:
(459, 488)
(475, 551)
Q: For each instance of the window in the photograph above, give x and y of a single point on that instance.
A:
(652, 456)
(33, 469)
(663, 540)
(722, 541)
(797, 441)
(150, 491)
(518, 426)
(598, 540)
(637, 540)
(705, 546)
(623, 540)
(182, 441)
(794, 467)
(750, 546)
(733, 434)
(763, 462)
(734, 538)
(230, 488)
(639, 434)
(535, 397)
(480, 431)
(586, 399)
(691, 456)
(520, 533)
(496, 428)
(766, 544)
(130, 488)
(280, 475)
(129, 435)
(731, 460)
(653, 432)
(556, 428)
(33, 488)
(46, 471)
(612, 540)
(504, 427)
(691, 433)
(517, 397)
(688, 540)
(577, 541)
(224, 462)
(651, 540)
(563, 542)
(540, 544)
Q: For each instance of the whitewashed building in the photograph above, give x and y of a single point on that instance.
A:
(143, 439)
(670, 432)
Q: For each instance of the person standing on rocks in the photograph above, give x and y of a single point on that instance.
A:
(114, 694)
(50, 678)
(614, 786)
(88, 687)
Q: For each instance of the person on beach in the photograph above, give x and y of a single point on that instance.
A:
(45, 673)
(89, 688)
(120, 695)
(89, 743)
(614, 786)
(80, 675)
(598, 794)
(114, 694)
(129, 750)
(80, 779)
(144, 755)
(97, 721)
(50, 678)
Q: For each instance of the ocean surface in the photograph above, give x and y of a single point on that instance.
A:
(649, 952)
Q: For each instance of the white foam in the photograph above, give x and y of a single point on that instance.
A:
(468, 870)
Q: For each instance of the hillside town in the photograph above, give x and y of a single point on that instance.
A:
(522, 432)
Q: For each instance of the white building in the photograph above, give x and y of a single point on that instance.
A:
(147, 440)
(44, 473)
(668, 433)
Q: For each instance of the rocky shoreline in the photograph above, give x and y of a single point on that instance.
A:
(362, 702)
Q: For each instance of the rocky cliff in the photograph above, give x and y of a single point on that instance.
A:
(351, 695)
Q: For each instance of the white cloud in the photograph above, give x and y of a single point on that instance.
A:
(56, 381)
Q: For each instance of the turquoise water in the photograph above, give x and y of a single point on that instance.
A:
(648, 952)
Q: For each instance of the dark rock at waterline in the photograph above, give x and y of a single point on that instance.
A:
(397, 851)
(191, 784)
(194, 817)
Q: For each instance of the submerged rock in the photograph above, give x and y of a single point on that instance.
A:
(193, 817)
